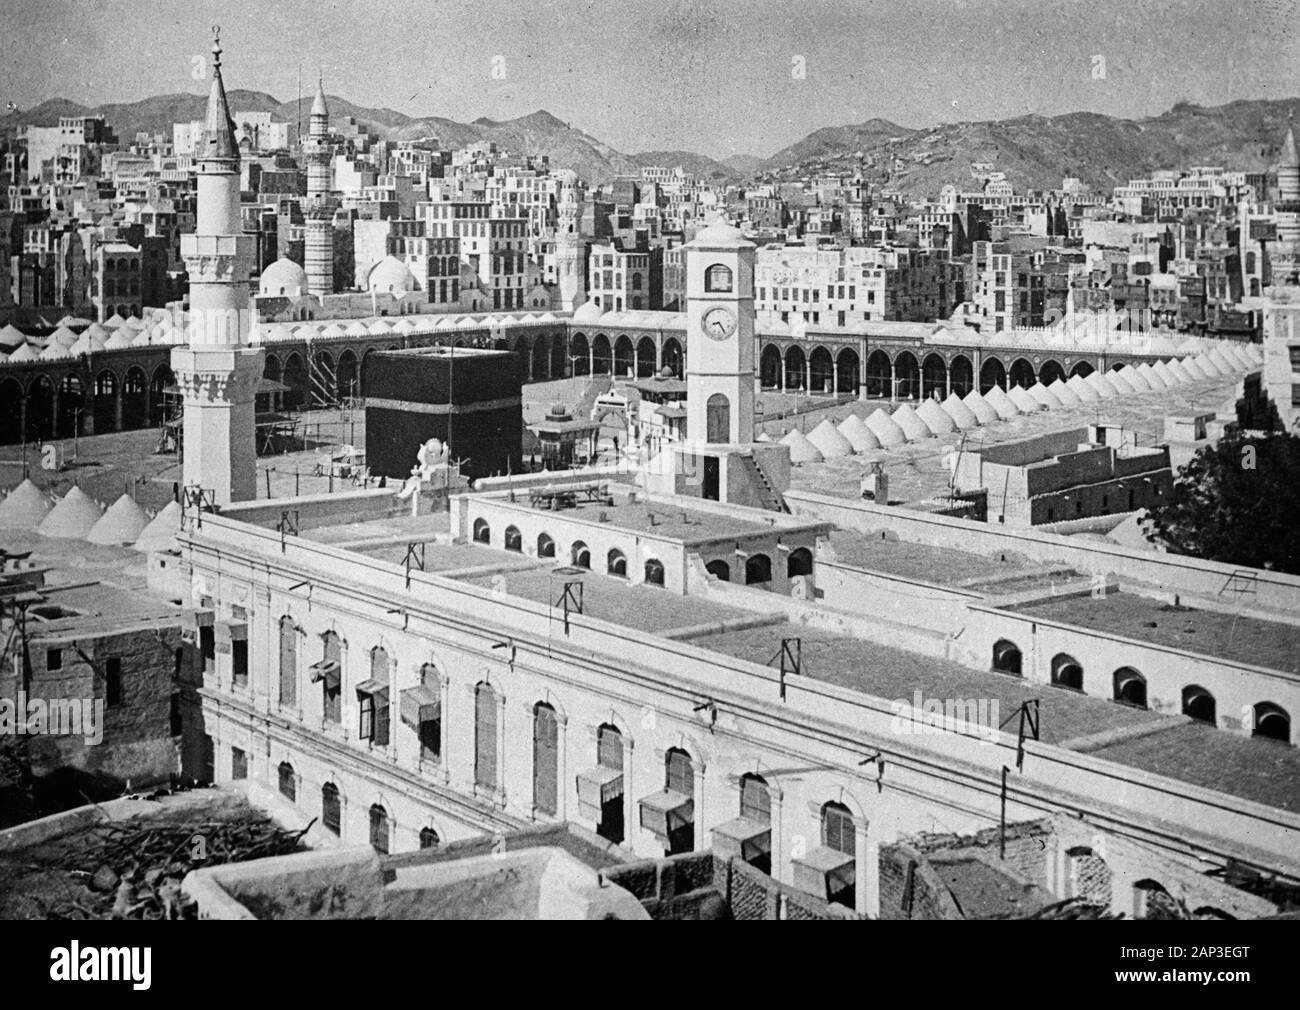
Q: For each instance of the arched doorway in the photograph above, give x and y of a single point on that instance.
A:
(624, 357)
(40, 409)
(1022, 373)
(719, 570)
(758, 570)
(934, 377)
(1130, 687)
(718, 412)
(672, 356)
(961, 375)
(602, 359)
(799, 563)
(795, 364)
(1050, 371)
(822, 370)
(11, 412)
(104, 402)
(1067, 672)
(878, 374)
(558, 357)
(846, 365)
(992, 373)
(1082, 369)
(907, 376)
(645, 358)
(349, 379)
(72, 405)
(1006, 657)
(1198, 704)
(769, 367)
(295, 377)
(580, 354)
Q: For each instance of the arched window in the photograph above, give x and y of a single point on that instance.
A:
(1088, 876)
(1006, 657)
(654, 572)
(482, 531)
(1152, 901)
(379, 829)
(1198, 704)
(546, 759)
(1067, 672)
(616, 563)
(329, 671)
(514, 540)
(485, 736)
(609, 754)
(429, 838)
(580, 556)
(1272, 722)
(331, 808)
(758, 570)
(717, 417)
(839, 834)
(545, 546)
(679, 772)
(636, 281)
(719, 570)
(372, 699)
(718, 278)
(799, 563)
(429, 714)
(755, 799)
(288, 782)
(1130, 687)
(288, 661)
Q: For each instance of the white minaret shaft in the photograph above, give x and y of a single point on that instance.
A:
(217, 371)
(318, 231)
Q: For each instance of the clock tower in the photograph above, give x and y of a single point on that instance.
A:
(720, 337)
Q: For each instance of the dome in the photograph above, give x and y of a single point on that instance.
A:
(284, 277)
(588, 312)
(720, 235)
(390, 275)
(121, 524)
(24, 508)
(72, 518)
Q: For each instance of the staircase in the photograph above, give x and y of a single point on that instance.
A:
(322, 384)
(773, 498)
(597, 387)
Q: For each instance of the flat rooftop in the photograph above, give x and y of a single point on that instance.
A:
(672, 521)
(940, 565)
(1270, 644)
(1258, 770)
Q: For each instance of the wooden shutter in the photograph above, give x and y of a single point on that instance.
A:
(485, 736)
(288, 662)
(546, 758)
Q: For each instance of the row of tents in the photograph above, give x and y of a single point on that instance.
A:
(883, 430)
(77, 516)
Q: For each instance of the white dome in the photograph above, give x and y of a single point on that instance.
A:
(588, 312)
(390, 276)
(284, 277)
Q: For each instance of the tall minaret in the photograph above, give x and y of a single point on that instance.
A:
(318, 244)
(570, 250)
(217, 371)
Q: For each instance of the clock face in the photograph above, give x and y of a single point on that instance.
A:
(719, 323)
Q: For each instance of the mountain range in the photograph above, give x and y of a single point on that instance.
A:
(1034, 151)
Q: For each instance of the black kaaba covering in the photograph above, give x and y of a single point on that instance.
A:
(469, 398)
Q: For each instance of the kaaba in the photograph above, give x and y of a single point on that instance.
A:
(468, 398)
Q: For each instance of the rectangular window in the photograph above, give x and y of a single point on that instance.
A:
(54, 659)
(239, 663)
(208, 758)
(546, 756)
(485, 737)
(112, 681)
(238, 764)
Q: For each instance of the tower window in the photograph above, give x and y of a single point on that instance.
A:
(718, 278)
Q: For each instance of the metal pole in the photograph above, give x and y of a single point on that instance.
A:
(1002, 825)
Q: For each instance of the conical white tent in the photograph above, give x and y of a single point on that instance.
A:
(826, 438)
(1222, 360)
(1082, 389)
(1151, 376)
(1127, 383)
(935, 418)
(25, 353)
(801, 450)
(913, 427)
(886, 429)
(962, 416)
(1193, 369)
(1067, 396)
(24, 507)
(73, 517)
(1025, 403)
(862, 438)
(1044, 396)
(980, 407)
(121, 524)
(160, 534)
(1209, 367)
(998, 399)
(1101, 386)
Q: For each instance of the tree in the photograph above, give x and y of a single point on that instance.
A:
(1235, 503)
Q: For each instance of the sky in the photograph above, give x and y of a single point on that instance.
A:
(720, 77)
